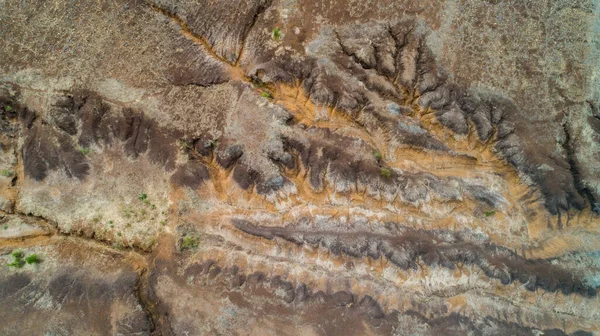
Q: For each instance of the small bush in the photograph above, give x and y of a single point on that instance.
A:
(143, 197)
(489, 213)
(8, 108)
(5, 226)
(18, 261)
(276, 35)
(84, 150)
(190, 242)
(386, 173)
(6, 173)
(378, 156)
(33, 259)
(267, 95)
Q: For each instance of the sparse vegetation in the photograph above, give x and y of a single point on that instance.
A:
(190, 242)
(137, 214)
(378, 156)
(149, 243)
(489, 213)
(386, 173)
(5, 226)
(8, 108)
(6, 173)
(33, 259)
(267, 95)
(84, 150)
(119, 234)
(18, 261)
(276, 34)
(183, 144)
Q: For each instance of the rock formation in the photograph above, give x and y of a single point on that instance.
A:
(288, 167)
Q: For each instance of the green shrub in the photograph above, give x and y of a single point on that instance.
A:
(143, 197)
(276, 35)
(33, 259)
(190, 242)
(84, 150)
(267, 95)
(386, 173)
(8, 108)
(378, 155)
(489, 213)
(18, 261)
(6, 173)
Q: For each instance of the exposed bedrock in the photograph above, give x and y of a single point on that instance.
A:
(72, 292)
(223, 25)
(82, 120)
(295, 303)
(405, 247)
(373, 71)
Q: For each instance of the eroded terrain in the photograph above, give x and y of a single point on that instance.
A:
(286, 167)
